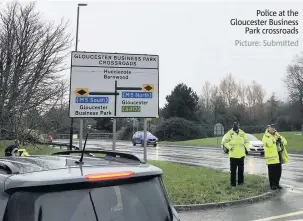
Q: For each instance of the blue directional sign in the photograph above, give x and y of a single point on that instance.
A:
(127, 94)
(92, 100)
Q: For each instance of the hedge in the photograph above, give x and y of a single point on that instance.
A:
(178, 129)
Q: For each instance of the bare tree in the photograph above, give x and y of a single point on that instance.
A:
(214, 94)
(294, 84)
(249, 96)
(206, 96)
(228, 87)
(258, 95)
(241, 93)
(32, 53)
(294, 80)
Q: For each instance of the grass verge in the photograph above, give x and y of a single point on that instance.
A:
(294, 139)
(192, 184)
(31, 149)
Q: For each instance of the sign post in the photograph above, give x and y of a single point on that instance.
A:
(80, 134)
(145, 139)
(114, 133)
(218, 131)
(114, 85)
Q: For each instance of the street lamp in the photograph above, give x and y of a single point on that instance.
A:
(78, 12)
(72, 119)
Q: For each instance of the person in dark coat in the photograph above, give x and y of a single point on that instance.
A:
(12, 149)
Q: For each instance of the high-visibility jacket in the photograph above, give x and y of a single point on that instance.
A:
(271, 149)
(236, 143)
(23, 152)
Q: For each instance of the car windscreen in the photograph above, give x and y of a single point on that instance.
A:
(139, 201)
(251, 137)
(137, 134)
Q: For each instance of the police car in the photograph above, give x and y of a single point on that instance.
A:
(255, 145)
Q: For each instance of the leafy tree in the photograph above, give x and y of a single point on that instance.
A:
(273, 108)
(182, 102)
(104, 124)
(177, 129)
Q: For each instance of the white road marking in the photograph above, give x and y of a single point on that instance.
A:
(290, 186)
(295, 191)
(280, 216)
(289, 163)
(295, 220)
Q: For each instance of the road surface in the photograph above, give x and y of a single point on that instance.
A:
(288, 206)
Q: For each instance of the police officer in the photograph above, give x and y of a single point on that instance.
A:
(23, 153)
(12, 149)
(236, 142)
(273, 126)
(275, 155)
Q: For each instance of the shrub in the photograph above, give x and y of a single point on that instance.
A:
(251, 129)
(178, 129)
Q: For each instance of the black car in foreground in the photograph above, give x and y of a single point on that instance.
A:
(65, 186)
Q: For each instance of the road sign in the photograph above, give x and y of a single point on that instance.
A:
(114, 85)
(81, 92)
(148, 87)
(218, 130)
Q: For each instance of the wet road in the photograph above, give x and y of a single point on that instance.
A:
(288, 206)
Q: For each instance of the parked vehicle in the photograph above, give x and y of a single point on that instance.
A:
(256, 145)
(138, 138)
(69, 187)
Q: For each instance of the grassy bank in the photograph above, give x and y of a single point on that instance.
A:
(31, 149)
(294, 139)
(192, 184)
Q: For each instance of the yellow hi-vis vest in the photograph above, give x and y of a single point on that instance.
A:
(236, 143)
(23, 152)
(271, 150)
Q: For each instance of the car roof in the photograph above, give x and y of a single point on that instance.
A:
(59, 169)
(140, 131)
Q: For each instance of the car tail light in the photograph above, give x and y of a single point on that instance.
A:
(109, 176)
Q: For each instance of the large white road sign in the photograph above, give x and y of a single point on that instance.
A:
(114, 85)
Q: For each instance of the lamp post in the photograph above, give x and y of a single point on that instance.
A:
(72, 119)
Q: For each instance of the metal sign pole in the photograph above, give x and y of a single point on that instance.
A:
(114, 133)
(217, 135)
(134, 124)
(145, 140)
(81, 134)
(76, 49)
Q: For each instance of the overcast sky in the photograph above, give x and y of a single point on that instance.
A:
(194, 40)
